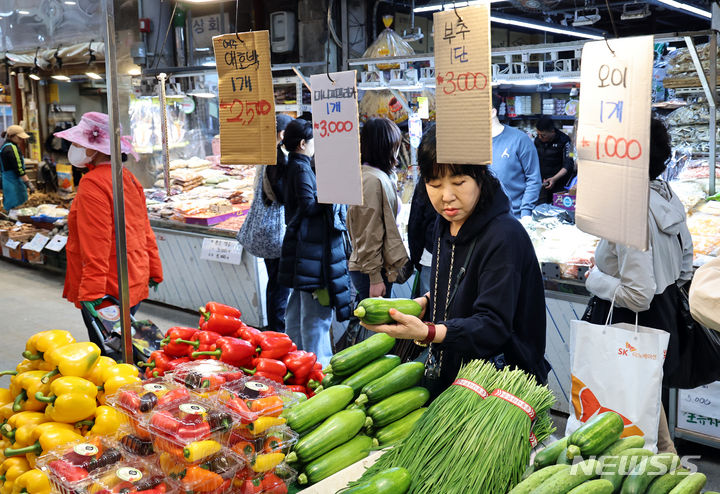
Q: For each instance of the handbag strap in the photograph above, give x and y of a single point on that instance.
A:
(461, 273)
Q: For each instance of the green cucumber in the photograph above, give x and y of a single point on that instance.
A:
(394, 480)
(549, 455)
(692, 484)
(336, 459)
(597, 486)
(596, 435)
(336, 430)
(308, 413)
(622, 444)
(537, 478)
(402, 377)
(372, 371)
(566, 480)
(616, 468)
(562, 458)
(397, 406)
(648, 470)
(376, 310)
(353, 358)
(398, 430)
(666, 483)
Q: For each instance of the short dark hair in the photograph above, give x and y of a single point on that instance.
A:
(430, 169)
(296, 131)
(496, 102)
(545, 124)
(660, 148)
(380, 140)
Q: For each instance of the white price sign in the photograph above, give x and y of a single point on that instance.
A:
(221, 250)
(704, 400)
(57, 243)
(12, 244)
(37, 243)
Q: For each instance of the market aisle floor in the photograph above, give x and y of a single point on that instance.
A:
(32, 301)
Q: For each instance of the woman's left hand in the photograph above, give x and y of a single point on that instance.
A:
(407, 327)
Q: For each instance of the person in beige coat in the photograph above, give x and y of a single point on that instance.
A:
(378, 253)
(705, 295)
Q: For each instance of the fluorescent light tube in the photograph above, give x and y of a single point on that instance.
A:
(34, 77)
(545, 27)
(686, 7)
(63, 78)
(93, 75)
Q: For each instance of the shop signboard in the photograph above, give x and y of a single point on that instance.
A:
(613, 140)
(336, 133)
(247, 101)
(463, 91)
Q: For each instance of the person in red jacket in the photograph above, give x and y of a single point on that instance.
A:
(91, 260)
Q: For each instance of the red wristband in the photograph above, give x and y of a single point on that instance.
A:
(431, 333)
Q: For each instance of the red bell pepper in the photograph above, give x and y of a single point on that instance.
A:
(172, 395)
(201, 341)
(293, 347)
(248, 333)
(273, 377)
(273, 345)
(220, 309)
(158, 362)
(172, 347)
(174, 363)
(254, 486)
(300, 364)
(297, 388)
(225, 325)
(232, 351)
(270, 365)
(315, 378)
(272, 484)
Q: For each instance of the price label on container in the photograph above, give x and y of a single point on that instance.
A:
(57, 243)
(37, 243)
(613, 140)
(247, 100)
(221, 250)
(12, 244)
(462, 95)
(337, 138)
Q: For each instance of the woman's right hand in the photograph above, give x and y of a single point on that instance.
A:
(423, 301)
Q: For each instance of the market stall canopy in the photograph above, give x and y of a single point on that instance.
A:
(49, 58)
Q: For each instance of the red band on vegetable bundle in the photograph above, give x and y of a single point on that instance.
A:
(472, 387)
(511, 398)
(533, 440)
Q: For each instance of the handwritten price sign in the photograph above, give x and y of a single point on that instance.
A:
(247, 103)
(613, 140)
(337, 138)
(462, 65)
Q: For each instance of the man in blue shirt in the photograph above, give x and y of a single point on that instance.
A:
(515, 163)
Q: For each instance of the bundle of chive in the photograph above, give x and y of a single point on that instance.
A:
(469, 440)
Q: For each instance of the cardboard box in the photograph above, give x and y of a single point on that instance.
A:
(564, 201)
(16, 253)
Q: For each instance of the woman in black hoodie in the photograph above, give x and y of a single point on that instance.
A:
(486, 298)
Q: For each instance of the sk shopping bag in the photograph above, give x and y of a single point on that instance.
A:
(617, 368)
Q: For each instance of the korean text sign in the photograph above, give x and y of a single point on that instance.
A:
(337, 138)
(247, 102)
(613, 140)
(463, 98)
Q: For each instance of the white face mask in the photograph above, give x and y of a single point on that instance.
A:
(77, 156)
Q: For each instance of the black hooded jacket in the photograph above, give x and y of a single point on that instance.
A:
(499, 305)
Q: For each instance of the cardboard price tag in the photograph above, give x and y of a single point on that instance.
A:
(613, 140)
(37, 243)
(57, 243)
(336, 132)
(12, 244)
(221, 250)
(463, 91)
(247, 100)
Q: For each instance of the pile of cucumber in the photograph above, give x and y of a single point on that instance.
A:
(609, 465)
(371, 400)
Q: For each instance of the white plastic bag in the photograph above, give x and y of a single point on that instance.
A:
(618, 368)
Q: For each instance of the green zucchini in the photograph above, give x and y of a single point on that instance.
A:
(331, 380)
(336, 459)
(597, 486)
(692, 484)
(355, 357)
(616, 468)
(336, 430)
(402, 377)
(376, 310)
(667, 482)
(372, 371)
(595, 436)
(549, 455)
(397, 406)
(622, 444)
(562, 458)
(394, 480)
(308, 413)
(537, 478)
(528, 471)
(648, 470)
(398, 430)
(566, 480)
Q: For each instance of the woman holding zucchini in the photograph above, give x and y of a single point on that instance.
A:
(486, 297)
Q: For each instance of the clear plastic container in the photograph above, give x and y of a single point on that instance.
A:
(275, 481)
(205, 377)
(213, 474)
(273, 441)
(253, 397)
(128, 476)
(133, 444)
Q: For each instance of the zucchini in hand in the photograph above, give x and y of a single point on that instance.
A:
(377, 310)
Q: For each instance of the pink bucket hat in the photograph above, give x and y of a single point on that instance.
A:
(93, 132)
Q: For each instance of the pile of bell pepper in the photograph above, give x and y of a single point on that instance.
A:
(223, 336)
(56, 395)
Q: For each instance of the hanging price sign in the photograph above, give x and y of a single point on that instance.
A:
(462, 94)
(247, 101)
(613, 140)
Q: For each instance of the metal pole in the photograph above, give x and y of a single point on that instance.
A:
(345, 35)
(117, 179)
(715, 25)
(164, 132)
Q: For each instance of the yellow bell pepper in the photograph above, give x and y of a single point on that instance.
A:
(29, 433)
(114, 383)
(32, 482)
(5, 396)
(120, 370)
(40, 343)
(18, 420)
(31, 459)
(106, 422)
(72, 399)
(75, 359)
(47, 436)
(6, 411)
(26, 385)
(10, 470)
(102, 365)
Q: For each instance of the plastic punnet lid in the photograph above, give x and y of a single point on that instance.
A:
(278, 439)
(253, 397)
(127, 476)
(140, 398)
(281, 476)
(214, 474)
(74, 463)
(205, 375)
(133, 444)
